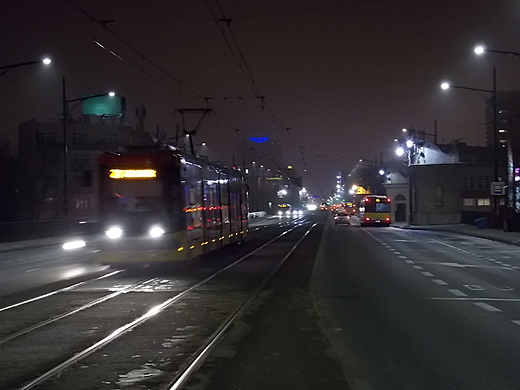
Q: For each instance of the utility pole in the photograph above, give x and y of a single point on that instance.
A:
(193, 132)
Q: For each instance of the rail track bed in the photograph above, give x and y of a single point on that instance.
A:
(125, 330)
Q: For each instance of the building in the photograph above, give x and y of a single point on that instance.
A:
(42, 159)
(445, 184)
(269, 187)
(508, 141)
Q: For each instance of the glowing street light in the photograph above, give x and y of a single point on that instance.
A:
(446, 85)
(66, 111)
(480, 50)
(6, 68)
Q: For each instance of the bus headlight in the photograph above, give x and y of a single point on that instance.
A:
(114, 232)
(156, 231)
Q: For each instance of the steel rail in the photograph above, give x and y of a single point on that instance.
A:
(204, 352)
(138, 321)
(68, 288)
(76, 310)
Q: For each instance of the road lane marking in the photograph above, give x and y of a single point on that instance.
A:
(403, 257)
(516, 322)
(409, 262)
(474, 287)
(503, 288)
(417, 267)
(485, 306)
(459, 265)
(439, 282)
(457, 293)
(427, 273)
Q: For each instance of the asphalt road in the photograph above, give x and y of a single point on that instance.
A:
(419, 309)
(358, 308)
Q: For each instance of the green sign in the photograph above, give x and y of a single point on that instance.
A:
(102, 105)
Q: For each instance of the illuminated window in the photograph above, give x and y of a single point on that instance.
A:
(483, 202)
(469, 202)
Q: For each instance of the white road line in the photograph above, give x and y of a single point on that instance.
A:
(485, 306)
(427, 273)
(417, 267)
(409, 262)
(457, 293)
(439, 282)
(403, 257)
(397, 253)
(516, 322)
(474, 287)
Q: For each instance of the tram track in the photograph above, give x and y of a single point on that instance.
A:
(148, 305)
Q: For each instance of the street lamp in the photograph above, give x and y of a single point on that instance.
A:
(66, 111)
(482, 49)
(7, 68)
(447, 85)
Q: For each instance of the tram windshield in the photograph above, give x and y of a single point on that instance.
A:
(134, 201)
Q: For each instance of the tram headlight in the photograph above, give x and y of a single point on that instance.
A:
(114, 232)
(156, 231)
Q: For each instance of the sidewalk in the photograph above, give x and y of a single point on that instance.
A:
(512, 238)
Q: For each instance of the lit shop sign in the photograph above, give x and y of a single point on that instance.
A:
(273, 178)
(259, 140)
(132, 173)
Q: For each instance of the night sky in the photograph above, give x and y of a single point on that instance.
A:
(329, 81)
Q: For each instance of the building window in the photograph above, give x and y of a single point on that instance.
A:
(483, 202)
(469, 202)
(46, 139)
(79, 139)
(439, 196)
(475, 182)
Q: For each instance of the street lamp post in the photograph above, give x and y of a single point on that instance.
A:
(6, 68)
(493, 91)
(66, 111)
(481, 50)
(511, 185)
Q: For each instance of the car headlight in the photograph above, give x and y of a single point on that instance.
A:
(280, 213)
(156, 231)
(114, 232)
(300, 212)
(288, 213)
(74, 245)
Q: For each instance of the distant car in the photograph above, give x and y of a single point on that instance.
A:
(342, 219)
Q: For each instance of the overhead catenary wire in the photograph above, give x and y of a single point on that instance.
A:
(218, 117)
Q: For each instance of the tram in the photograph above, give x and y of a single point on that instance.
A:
(159, 204)
(375, 210)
